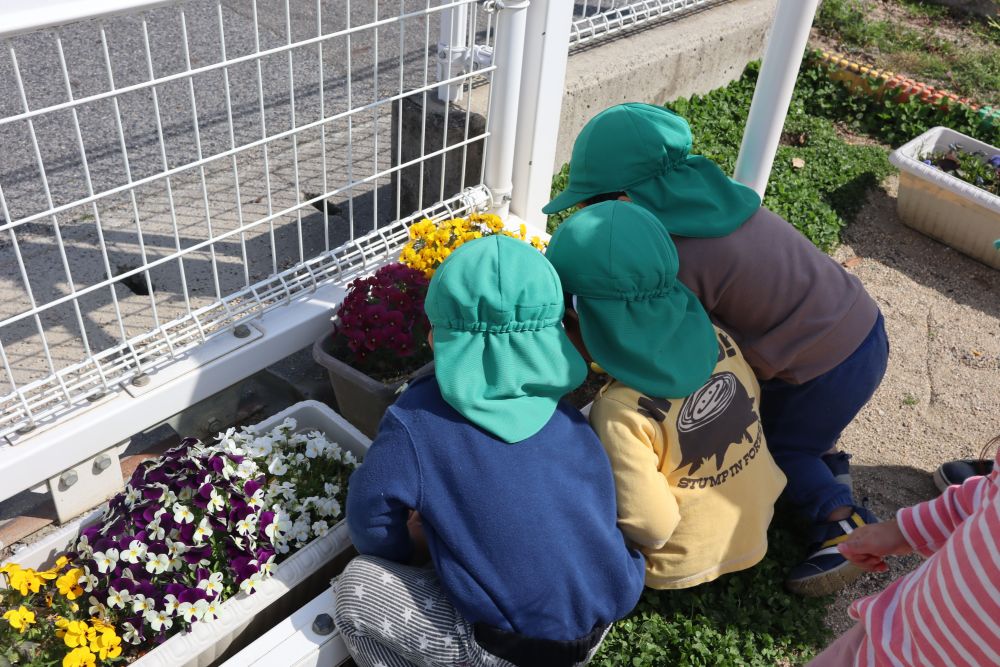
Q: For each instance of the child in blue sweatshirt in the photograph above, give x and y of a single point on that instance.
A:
(513, 490)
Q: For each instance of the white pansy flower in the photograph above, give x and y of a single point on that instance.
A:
(331, 489)
(249, 584)
(187, 611)
(155, 531)
(158, 620)
(167, 497)
(267, 567)
(320, 528)
(200, 607)
(256, 501)
(300, 531)
(216, 501)
(211, 609)
(131, 634)
(182, 514)
(185, 495)
(212, 585)
(97, 608)
(315, 448)
(176, 548)
(141, 604)
(87, 581)
(106, 560)
(170, 603)
(203, 531)
(132, 496)
(83, 547)
(136, 551)
(157, 563)
(118, 599)
(277, 466)
(246, 525)
(327, 507)
(246, 469)
(261, 447)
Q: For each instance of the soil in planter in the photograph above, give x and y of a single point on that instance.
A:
(387, 371)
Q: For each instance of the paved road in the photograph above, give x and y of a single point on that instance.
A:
(199, 201)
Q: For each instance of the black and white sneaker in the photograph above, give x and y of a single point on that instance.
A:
(956, 472)
(825, 570)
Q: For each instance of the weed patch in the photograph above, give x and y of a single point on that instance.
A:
(967, 63)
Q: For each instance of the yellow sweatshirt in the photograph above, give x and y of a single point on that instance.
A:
(695, 482)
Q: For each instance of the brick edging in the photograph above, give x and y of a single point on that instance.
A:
(858, 77)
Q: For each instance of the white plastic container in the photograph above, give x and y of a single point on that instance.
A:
(304, 639)
(294, 582)
(943, 206)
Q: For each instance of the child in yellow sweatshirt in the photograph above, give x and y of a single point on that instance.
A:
(694, 480)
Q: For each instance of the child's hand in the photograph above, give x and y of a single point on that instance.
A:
(416, 527)
(867, 545)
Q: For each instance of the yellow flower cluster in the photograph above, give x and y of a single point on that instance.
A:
(88, 641)
(25, 580)
(431, 242)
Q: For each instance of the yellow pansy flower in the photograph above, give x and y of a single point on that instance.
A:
(103, 641)
(20, 618)
(74, 633)
(68, 584)
(21, 579)
(80, 657)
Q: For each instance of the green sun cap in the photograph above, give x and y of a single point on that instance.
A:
(640, 323)
(643, 150)
(501, 356)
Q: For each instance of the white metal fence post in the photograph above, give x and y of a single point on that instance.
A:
(452, 50)
(502, 123)
(547, 46)
(773, 92)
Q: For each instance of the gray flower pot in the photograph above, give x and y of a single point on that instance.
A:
(361, 399)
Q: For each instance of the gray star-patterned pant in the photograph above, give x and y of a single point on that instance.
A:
(394, 615)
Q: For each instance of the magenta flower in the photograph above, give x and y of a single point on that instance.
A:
(381, 327)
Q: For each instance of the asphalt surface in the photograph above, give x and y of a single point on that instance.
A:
(123, 233)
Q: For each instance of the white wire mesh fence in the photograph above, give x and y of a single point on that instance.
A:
(166, 175)
(599, 18)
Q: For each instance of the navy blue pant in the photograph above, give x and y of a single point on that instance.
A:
(803, 421)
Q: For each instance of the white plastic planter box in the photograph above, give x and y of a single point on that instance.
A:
(304, 639)
(943, 206)
(294, 581)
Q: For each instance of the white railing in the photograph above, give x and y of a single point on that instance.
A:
(170, 171)
(599, 18)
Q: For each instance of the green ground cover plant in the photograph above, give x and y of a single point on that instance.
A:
(921, 40)
(818, 181)
(745, 618)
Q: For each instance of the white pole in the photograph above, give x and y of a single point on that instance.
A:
(502, 123)
(546, 50)
(773, 92)
(453, 50)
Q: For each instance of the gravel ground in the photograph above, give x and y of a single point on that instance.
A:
(939, 398)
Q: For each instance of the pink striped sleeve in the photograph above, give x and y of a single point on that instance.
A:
(927, 525)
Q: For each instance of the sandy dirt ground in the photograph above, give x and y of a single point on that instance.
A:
(940, 398)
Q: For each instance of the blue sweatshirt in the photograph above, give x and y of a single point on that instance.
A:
(523, 536)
